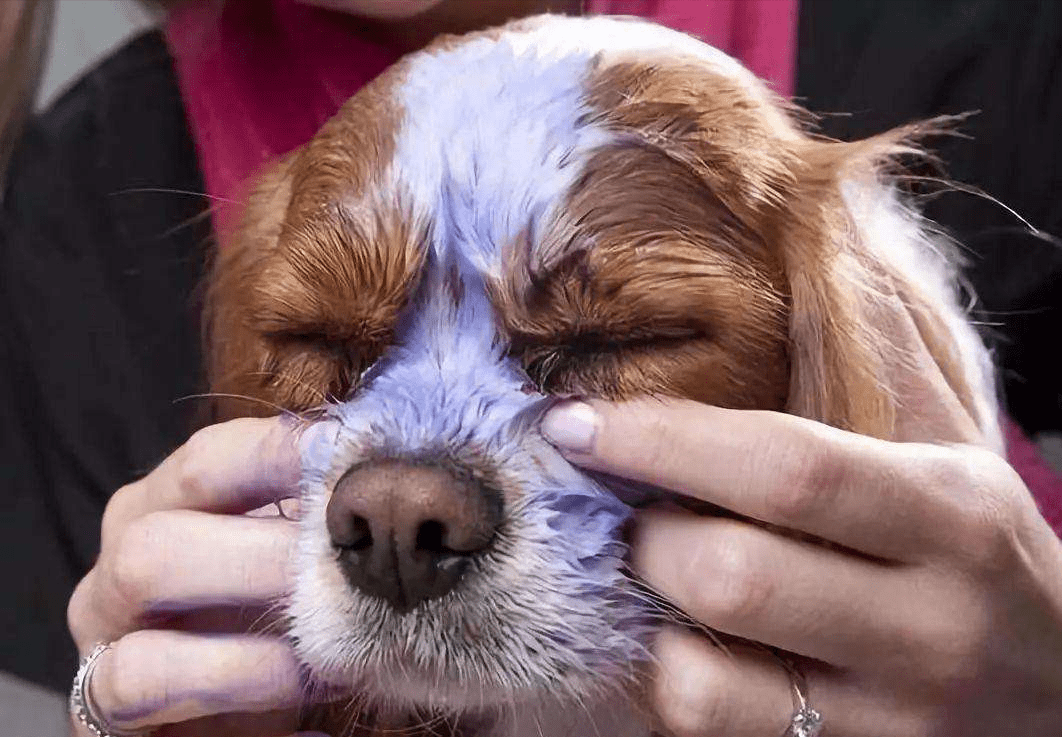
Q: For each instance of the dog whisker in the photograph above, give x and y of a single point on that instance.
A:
(244, 397)
(171, 190)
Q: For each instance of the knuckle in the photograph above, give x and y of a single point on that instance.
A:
(950, 649)
(737, 589)
(132, 564)
(990, 498)
(194, 465)
(123, 683)
(693, 705)
(949, 656)
(806, 483)
(77, 610)
(690, 715)
(114, 514)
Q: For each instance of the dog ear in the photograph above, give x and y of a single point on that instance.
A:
(879, 344)
(234, 350)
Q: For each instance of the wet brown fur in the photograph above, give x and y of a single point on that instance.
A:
(306, 291)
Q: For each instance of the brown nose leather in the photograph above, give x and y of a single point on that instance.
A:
(407, 532)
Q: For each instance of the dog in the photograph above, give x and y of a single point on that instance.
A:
(561, 206)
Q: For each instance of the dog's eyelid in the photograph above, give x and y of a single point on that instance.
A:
(323, 337)
(548, 360)
(586, 339)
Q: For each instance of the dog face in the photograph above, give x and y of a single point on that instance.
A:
(561, 206)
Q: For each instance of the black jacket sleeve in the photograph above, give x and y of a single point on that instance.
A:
(98, 277)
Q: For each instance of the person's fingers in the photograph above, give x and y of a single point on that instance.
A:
(889, 500)
(151, 677)
(232, 467)
(170, 562)
(700, 690)
(752, 582)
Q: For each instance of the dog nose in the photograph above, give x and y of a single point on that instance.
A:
(408, 532)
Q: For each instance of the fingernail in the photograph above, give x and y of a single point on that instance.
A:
(571, 426)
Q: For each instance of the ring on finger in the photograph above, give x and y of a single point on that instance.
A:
(82, 706)
(805, 722)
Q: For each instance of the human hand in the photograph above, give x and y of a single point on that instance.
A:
(181, 578)
(938, 611)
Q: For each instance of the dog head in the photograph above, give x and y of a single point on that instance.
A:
(561, 206)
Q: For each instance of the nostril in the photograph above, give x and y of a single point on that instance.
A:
(453, 537)
(431, 537)
(356, 534)
(362, 533)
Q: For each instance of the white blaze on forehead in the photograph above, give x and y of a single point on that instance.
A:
(492, 136)
(490, 142)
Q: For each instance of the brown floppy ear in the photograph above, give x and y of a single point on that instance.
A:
(234, 350)
(879, 344)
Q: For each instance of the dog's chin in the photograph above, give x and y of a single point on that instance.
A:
(406, 699)
(427, 692)
(420, 690)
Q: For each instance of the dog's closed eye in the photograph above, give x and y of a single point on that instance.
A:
(329, 363)
(555, 363)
